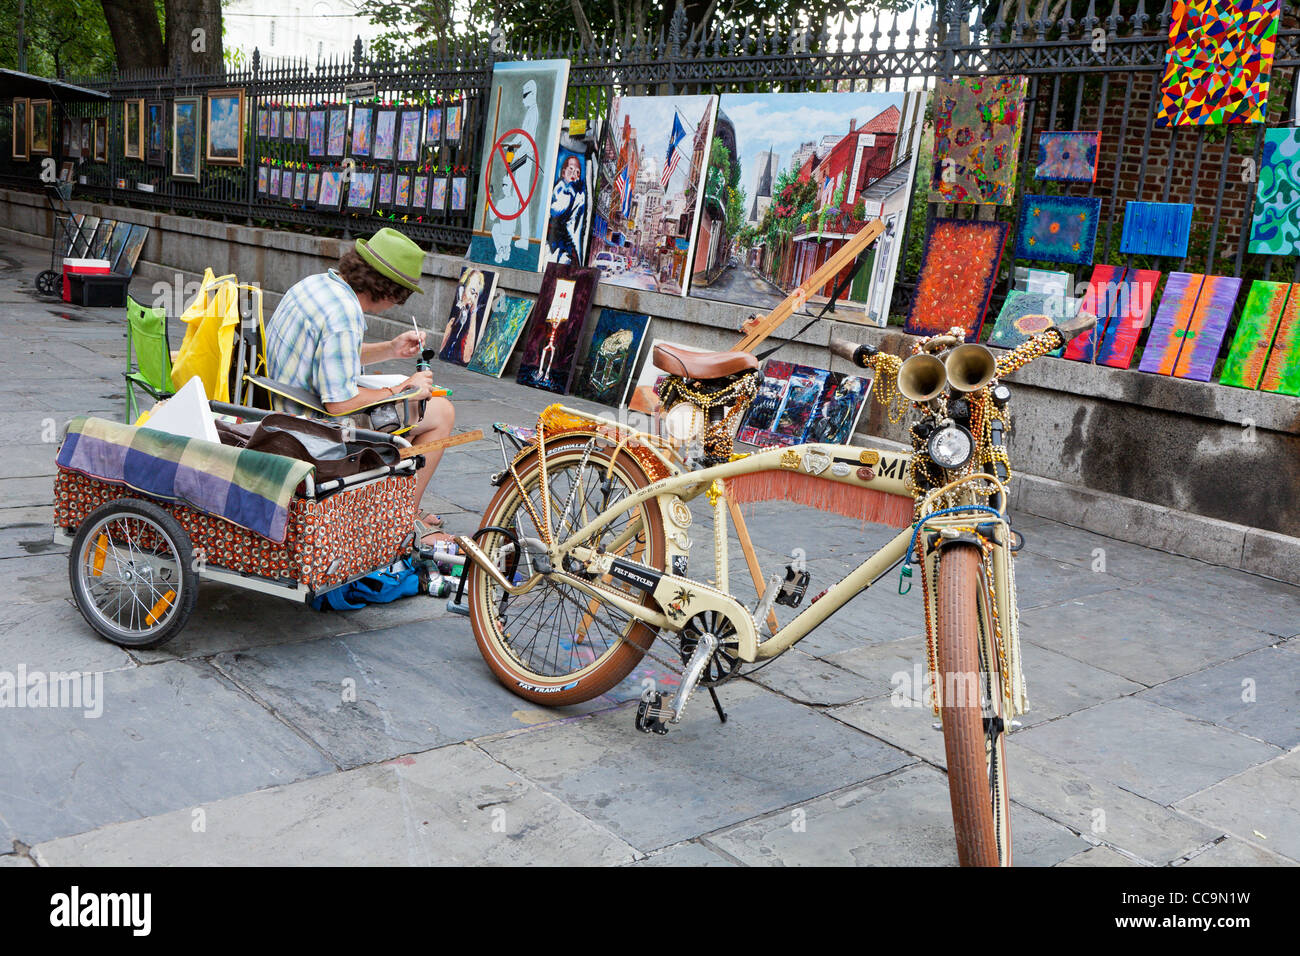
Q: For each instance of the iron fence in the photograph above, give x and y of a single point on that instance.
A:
(1099, 71)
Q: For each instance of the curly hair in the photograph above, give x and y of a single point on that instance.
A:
(363, 278)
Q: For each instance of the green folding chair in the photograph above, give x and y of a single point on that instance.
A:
(148, 357)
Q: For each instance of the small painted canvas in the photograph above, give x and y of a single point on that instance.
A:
(402, 191)
(300, 125)
(555, 327)
(453, 116)
(1256, 329)
(433, 126)
(1156, 228)
(760, 421)
(408, 135)
(99, 248)
(801, 400)
(363, 122)
(385, 133)
(155, 126)
(331, 188)
(1121, 299)
(1282, 373)
(336, 137)
(615, 347)
(469, 312)
(977, 123)
(263, 179)
(838, 409)
(958, 268)
(361, 191)
(1024, 315)
(131, 249)
(1275, 228)
(505, 324)
(115, 243)
(1068, 157)
(1218, 62)
(419, 193)
(438, 194)
(274, 120)
(186, 139)
(524, 107)
(313, 187)
(274, 182)
(299, 186)
(1189, 325)
(570, 200)
(263, 122)
(316, 133)
(459, 185)
(384, 196)
(1057, 229)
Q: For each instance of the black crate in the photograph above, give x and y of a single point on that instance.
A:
(99, 291)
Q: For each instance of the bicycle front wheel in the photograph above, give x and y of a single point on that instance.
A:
(971, 707)
(556, 644)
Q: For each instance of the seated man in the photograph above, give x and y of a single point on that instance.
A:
(315, 341)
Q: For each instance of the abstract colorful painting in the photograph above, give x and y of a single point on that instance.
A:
(316, 133)
(469, 312)
(977, 123)
(385, 134)
(615, 347)
(1156, 228)
(1189, 325)
(1276, 226)
(1260, 316)
(555, 327)
(524, 110)
(361, 191)
(408, 135)
(363, 128)
(958, 268)
(504, 326)
(459, 187)
(1121, 299)
(1025, 314)
(1068, 157)
(1057, 229)
(433, 126)
(1218, 62)
(337, 136)
(451, 129)
(1282, 374)
(438, 194)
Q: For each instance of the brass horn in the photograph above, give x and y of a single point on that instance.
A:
(970, 367)
(921, 377)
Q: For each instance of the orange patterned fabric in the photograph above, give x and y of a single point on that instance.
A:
(362, 528)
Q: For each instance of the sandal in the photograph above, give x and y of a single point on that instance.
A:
(441, 540)
(429, 519)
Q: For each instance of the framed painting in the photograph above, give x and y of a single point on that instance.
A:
(336, 133)
(409, 122)
(1218, 62)
(384, 192)
(977, 125)
(263, 122)
(18, 127)
(331, 189)
(438, 194)
(300, 187)
(363, 127)
(316, 133)
(300, 125)
(525, 108)
(276, 118)
(385, 134)
(313, 188)
(133, 129)
(453, 119)
(131, 249)
(263, 179)
(361, 192)
(155, 131)
(1068, 157)
(433, 126)
(555, 327)
(115, 243)
(226, 127)
(402, 192)
(420, 192)
(68, 143)
(101, 139)
(506, 321)
(187, 139)
(959, 265)
(1057, 229)
(40, 127)
(87, 137)
(273, 182)
(65, 171)
(469, 312)
(616, 343)
(459, 188)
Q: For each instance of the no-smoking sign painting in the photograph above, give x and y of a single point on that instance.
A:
(525, 107)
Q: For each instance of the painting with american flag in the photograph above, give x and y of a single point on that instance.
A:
(651, 163)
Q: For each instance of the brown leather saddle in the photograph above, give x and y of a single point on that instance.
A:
(701, 366)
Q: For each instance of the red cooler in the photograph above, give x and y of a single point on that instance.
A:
(83, 267)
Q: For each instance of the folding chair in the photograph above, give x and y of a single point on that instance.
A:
(148, 357)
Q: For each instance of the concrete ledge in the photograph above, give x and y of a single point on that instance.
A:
(1273, 556)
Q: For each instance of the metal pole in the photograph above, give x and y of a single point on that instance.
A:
(22, 39)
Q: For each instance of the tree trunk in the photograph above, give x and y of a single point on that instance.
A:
(137, 37)
(183, 18)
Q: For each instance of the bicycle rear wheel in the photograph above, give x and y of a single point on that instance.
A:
(970, 689)
(556, 644)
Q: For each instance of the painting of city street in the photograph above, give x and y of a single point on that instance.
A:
(798, 403)
(791, 178)
(651, 162)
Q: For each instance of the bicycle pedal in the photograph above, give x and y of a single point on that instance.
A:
(650, 714)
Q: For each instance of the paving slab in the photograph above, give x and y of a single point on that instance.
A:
(1260, 800)
(54, 637)
(809, 680)
(25, 539)
(1256, 695)
(1237, 597)
(1058, 685)
(1044, 581)
(1234, 852)
(414, 690)
(901, 722)
(29, 461)
(450, 807)
(1099, 856)
(897, 668)
(685, 854)
(170, 736)
(10, 859)
(1128, 563)
(1153, 751)
(655, 791)
(1143, 636)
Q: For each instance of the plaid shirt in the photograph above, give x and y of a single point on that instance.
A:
(314, 339)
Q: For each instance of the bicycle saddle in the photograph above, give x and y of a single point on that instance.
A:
(701, 365)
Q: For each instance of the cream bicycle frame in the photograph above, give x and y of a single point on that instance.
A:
(814, 459)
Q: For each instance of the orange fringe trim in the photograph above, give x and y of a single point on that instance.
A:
(870, 505)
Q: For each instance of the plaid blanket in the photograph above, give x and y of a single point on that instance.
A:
(248, 488)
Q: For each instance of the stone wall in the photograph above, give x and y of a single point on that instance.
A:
(1193, 468)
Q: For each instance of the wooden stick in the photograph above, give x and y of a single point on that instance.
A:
(464, 438)
(751, 559)
(772, 321)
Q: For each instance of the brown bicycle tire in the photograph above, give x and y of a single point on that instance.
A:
(615, 664)
(965, 742)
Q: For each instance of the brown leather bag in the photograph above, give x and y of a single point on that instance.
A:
(322, 444)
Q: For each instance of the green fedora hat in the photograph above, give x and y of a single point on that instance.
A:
(393, 256)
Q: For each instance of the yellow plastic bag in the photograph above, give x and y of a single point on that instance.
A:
(210, 323)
